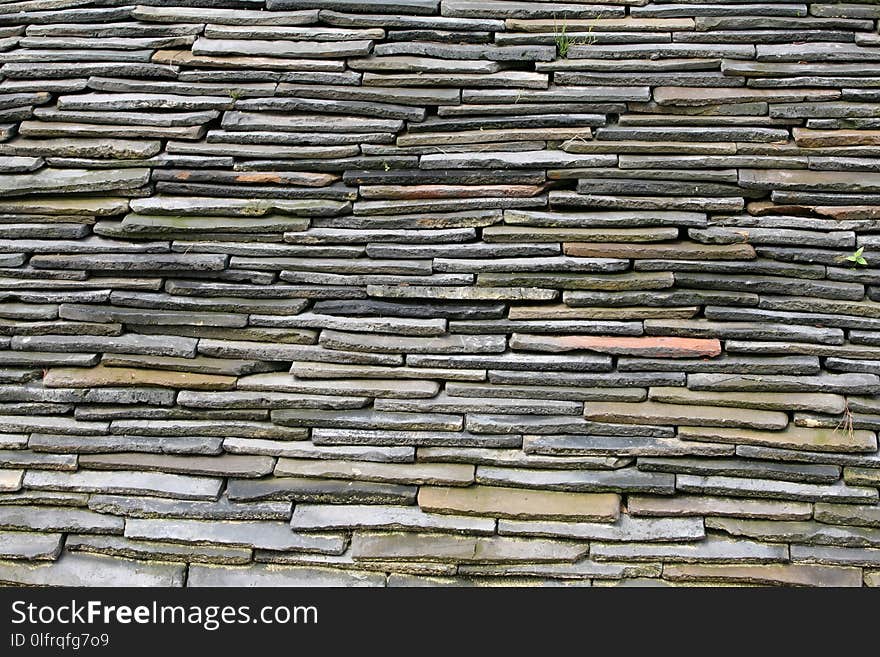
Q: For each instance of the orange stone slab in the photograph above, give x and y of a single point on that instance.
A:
(649, 346)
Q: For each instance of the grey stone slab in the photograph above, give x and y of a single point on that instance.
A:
(707, 505)
(27, 546)
(860, 515)
(398, 389)
(307, 450)
(156, 550)
(58, 519)
(813, 533)
(316, 517)
(159, 507)
(850, 556)
(320, 491)
(623, 480)
(122, 482)
(640, 443)
(59, 443)
(826, 383)
(88, 570)
(447, 403)
(513, 458)
(368, 419)
(626, 529)
(780, 454)
(805, 473)
(274, 576)
(166, 345)
(245, 399)
(227, 465)
(188, 427)
(739, 487)
(430, 473)
(391, 437)
(246, 533)
(713, 549)
(331, 339)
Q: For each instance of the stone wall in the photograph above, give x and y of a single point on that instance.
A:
(446, 292)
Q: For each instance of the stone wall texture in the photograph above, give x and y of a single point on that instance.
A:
(439, 292)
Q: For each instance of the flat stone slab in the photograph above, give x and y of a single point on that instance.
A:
(641, 346)
(518, 504)
(683, 414)
(74, 569)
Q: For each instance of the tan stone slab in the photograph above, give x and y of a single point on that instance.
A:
(819, 138)
(520, 503)
(447, 474)
(10, 480)
(872, 578)
(848, 212)
(647, 346)
(775, 574)
(794, 437)
(675, 251)
(90, 377)
(650, 412)
(561, 311)
(862, 476)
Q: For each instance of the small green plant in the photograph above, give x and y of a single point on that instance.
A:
(857, 258)
(234, 94)
(563, 41)
(386, 165)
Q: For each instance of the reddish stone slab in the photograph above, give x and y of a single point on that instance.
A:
(649, 346)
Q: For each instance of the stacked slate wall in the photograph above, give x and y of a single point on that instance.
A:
(348, 292)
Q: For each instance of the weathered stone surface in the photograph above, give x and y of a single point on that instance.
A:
(427, 473)
(439, 292)
(226, 465)
(624, 480)
(126, 483)
(519, 504)
(156, 550)
(27, 545)
(624, 529)
(257, 534)
(706, 505)
(683, 414)
(162, 507)
(792, 437)
(718, 485)
(70, 377)
(714, 550)
(87, 570)
(778, 575)
(320, 491)
(311, 518)
(273, 576)
(642, 346)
